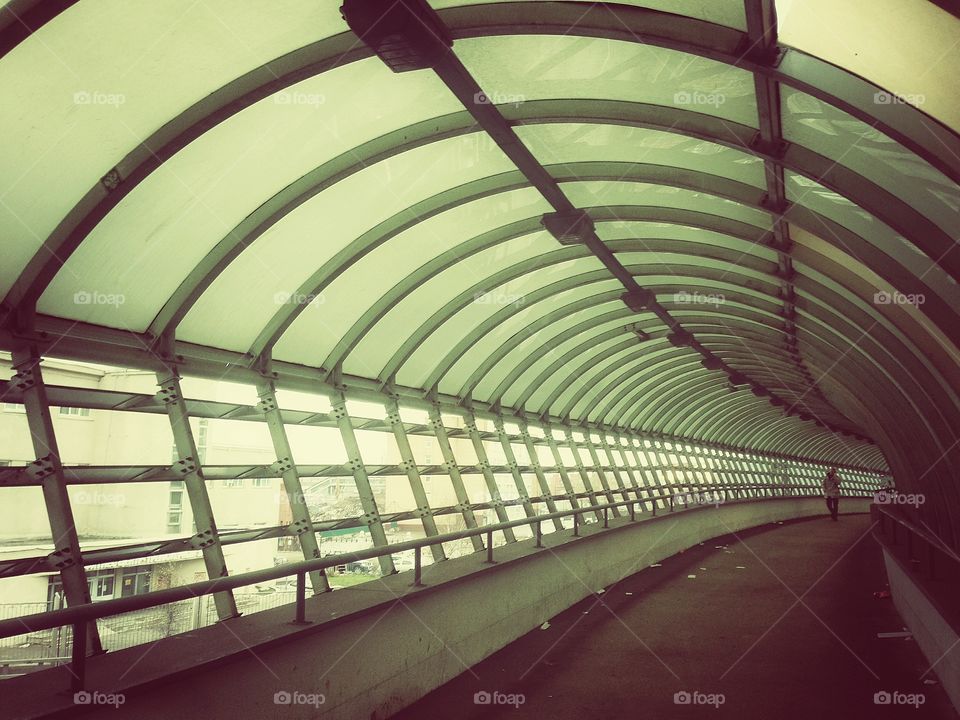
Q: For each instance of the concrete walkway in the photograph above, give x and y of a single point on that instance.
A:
(781, 623)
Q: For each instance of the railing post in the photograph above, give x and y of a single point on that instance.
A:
(576, 524)
(490, 547)
(78, 656)
(417, 568)
(671, 502)
(606, 518)
(539, 535)
(633, 511)
(301, 618)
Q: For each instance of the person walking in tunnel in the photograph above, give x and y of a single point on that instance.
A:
(831, 490)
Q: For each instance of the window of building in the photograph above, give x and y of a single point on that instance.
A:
(14, 408)
(134, 581)
(75, 412)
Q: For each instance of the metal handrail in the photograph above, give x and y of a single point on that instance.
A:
(78, 616)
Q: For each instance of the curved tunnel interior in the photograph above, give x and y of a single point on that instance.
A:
(701, 227)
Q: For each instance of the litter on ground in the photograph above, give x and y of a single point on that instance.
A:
(545, 626)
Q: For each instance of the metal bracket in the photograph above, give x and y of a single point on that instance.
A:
(281, 466)
(61, 558)
(184, 466)
(298, 528)
(202, 540)
(40, 468)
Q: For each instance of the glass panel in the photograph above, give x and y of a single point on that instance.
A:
(378, 346)
(865, 37)
(722, 12)
(313, 335)
(598, 193)
(268, 273)
(92, 110)
(550, 66)
(561, 143)
(203, 192)
(864, 149)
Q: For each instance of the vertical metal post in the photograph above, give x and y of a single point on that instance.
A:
(417, 567)
(206, 539)
(539, 535)
(633, 511)
(453, 469)
(606, 517)
(48, 469)
(490, 546)
(409, 464)
(587, 485)
(78, 656)
(576, 524)
(371, 514)
(492, 489)
(561, 469)
(301, 525)
(301, 618)
(595, 459)
(514, 467)
(608, 450)
(538, 471)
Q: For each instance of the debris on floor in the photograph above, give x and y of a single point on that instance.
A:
(741, 567)
(882, 594)
(691, 577)
(900, 634)
(656, 565)
(545, 626)
(928, 681)
(629, 593)
(601, 591)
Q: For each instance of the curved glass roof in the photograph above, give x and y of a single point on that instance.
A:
(248, 185)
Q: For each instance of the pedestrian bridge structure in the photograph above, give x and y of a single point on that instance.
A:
(613, 280)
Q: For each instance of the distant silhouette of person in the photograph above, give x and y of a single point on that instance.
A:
(831, 490)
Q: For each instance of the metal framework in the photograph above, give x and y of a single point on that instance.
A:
(797, 368)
